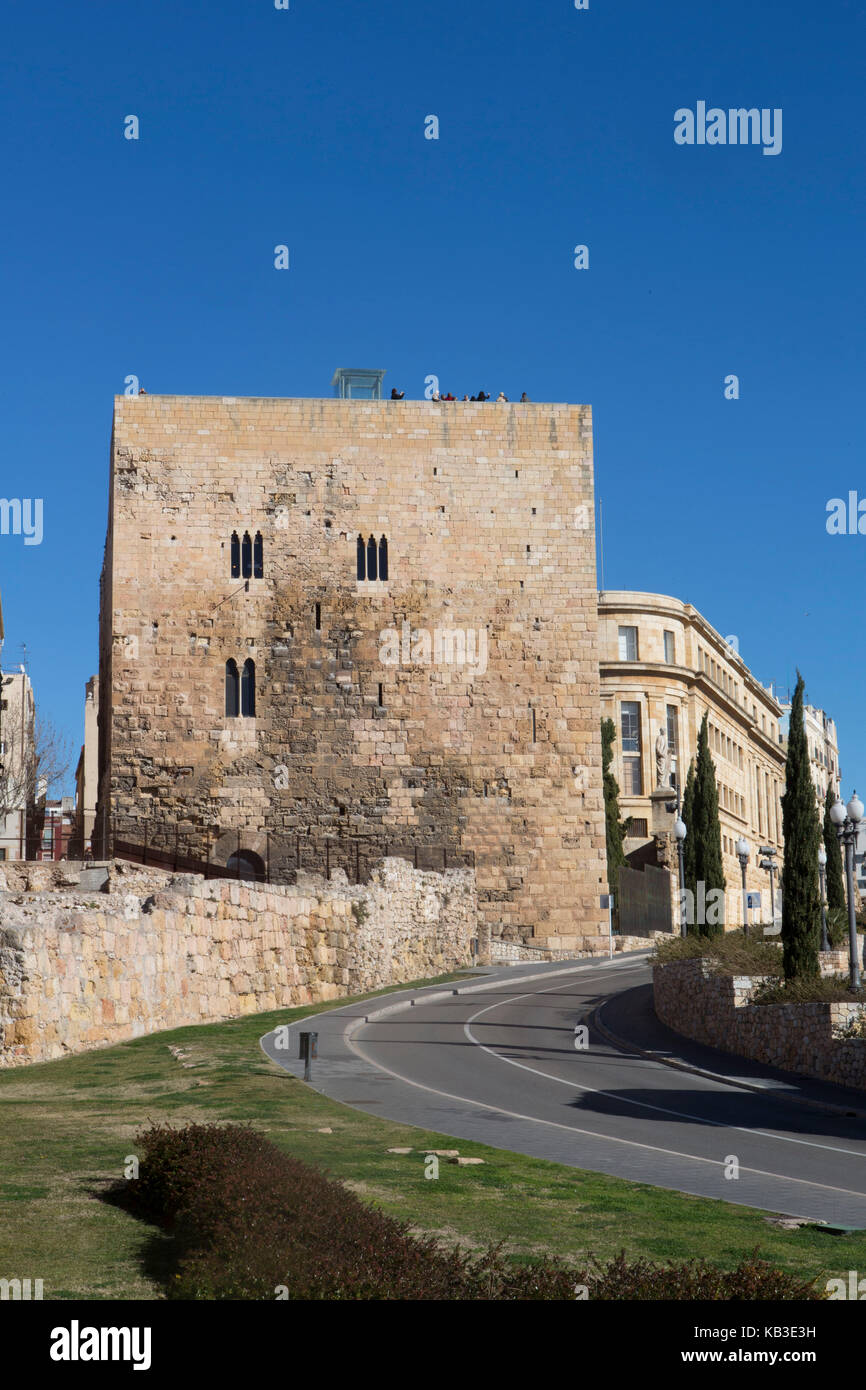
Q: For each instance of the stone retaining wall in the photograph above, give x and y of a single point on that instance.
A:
(716, 1009)
(80, 970)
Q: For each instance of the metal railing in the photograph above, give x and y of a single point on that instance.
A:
(148, 842)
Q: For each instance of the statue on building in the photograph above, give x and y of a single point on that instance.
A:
(663, 760)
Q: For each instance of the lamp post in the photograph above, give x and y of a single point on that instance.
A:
(743, 856)
(680, 833)
(822, 864)
(769, 863)
(847, 826)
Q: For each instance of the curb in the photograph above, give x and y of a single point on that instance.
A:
(679, 1065)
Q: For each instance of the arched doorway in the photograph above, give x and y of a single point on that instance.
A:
(245, 864)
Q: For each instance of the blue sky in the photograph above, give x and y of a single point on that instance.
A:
(455, 257)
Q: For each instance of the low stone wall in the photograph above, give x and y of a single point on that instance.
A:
(85, 969)
(716, 1009)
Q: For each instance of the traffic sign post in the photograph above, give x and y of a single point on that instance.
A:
(606, 900)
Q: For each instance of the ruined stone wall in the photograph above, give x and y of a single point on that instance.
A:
(488, 514)
(80, 970)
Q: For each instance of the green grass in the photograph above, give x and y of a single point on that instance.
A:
(66, 1128)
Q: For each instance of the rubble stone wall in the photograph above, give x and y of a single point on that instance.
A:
(80, 970)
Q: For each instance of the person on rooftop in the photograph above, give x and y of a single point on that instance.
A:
(524, 397)
(501, 397)
(397, 395)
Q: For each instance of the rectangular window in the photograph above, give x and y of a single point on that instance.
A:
(628, 644)
(673, 731)
(631, 776)
(630, 726)
(637, 829)
(670, 649)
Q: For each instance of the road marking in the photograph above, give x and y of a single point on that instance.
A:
(600, 1138)
(640, 1104)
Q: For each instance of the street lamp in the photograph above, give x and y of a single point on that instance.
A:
(822, 864)
(680, 833)
(847, 826)
(769, 863)
(743, 856)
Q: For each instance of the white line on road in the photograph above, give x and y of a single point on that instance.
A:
(640, 1104)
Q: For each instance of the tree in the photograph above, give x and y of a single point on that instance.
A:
(614, 827)
(707, 831)
(688, 817)
(801, 830)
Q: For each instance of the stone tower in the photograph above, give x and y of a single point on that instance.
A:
(369, 622)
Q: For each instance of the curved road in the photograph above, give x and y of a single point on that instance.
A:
(500, 1062)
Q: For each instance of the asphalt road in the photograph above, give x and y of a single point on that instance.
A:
(504, 1066)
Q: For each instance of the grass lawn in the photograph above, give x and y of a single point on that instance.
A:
(67, 1126)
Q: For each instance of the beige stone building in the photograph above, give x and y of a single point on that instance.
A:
(662, 667)
(20, 834)
(358, 621)
(823, 744)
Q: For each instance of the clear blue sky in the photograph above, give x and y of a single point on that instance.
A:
(306, 127)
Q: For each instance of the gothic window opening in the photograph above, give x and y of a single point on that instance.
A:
(258, 556)
(362, 558)
(232, 689)
(247, 557)
(236, 555)
(383, 558)
(248, 689)
(371, 558)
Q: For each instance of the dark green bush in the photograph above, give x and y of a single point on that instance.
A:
(248, 1219)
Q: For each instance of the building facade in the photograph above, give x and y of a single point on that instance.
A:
(662, 667)
(20, 815)
(823, 747)
(87, 773)
(358, 620)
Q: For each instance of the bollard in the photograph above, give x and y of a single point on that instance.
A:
(308, 1049)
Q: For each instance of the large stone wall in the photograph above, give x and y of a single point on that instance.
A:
(489, 517)
(716, 1009)
(80, 970)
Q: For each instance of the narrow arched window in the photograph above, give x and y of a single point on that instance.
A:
(371, 558)
(258, 556)
(383, 558)
(246, 557)
(248, 689)
(232, 689)
(236, 556)
(362, 558)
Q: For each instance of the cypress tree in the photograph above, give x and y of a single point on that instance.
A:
(707, 831)
(688, 817)
(801, 829)
(614, 827)
(835, 881)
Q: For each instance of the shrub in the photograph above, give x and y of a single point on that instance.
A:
(831, 989)
(248, 1219)
(731, 954)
